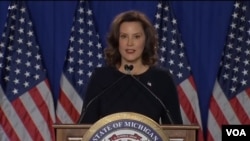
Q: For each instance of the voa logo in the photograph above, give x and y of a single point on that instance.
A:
(236, 132)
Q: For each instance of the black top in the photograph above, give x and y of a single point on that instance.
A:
(115, 91)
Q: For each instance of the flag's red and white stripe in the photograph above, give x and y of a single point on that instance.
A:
(69, 103)
(29, 117)
(224, 111)
(189, 103)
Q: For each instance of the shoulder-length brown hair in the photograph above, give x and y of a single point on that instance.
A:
(149, 55)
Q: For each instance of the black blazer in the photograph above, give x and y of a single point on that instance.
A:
(127, 95)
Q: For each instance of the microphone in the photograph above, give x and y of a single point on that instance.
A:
(84, 110)
(129, 68)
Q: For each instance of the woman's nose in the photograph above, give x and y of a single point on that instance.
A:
(130, 42)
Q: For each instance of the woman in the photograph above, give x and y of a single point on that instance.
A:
(131, 81)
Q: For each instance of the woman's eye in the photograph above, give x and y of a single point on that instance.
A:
(138, 36)
(122, 36)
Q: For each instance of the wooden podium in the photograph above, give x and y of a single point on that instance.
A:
(73, 132)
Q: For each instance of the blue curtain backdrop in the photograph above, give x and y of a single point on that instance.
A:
(203, 26)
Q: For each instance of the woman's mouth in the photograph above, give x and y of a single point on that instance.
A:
(130, 51)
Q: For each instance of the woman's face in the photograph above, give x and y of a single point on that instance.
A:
(131, 42)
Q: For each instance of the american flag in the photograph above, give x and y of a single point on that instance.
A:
(172, 56)
(26, 103)
(230, 101)
(84, 53)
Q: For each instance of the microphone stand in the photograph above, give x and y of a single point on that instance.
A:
(129, 68)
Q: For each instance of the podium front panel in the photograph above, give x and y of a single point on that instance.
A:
(72, 132)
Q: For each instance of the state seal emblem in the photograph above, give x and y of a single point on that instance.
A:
(125, 126)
